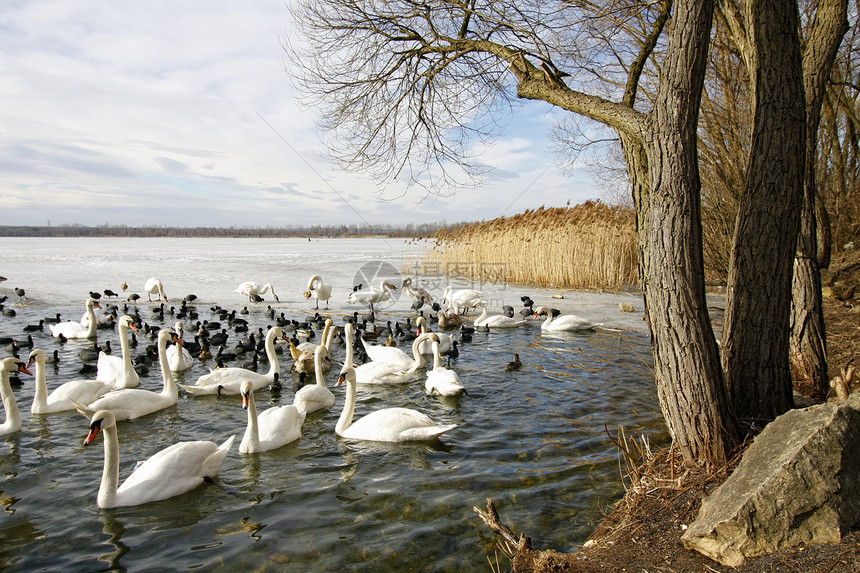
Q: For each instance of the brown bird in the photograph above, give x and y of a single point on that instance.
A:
(514, 364)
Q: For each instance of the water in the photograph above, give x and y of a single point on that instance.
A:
(531, 440)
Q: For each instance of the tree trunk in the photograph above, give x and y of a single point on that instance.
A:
(808, 354)
(690, 385)
(755, 341)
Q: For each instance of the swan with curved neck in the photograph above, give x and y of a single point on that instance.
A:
(65, 396)
(131, 403)
(119, 370)
(178, 358)
(441, 380)
(252, 290)
(73, 329)
(416, 292)
(172, 471)
(382, 372)
(13, 415)
(229, 380)
(319, 289)
(497, 320)
(426, 348)
(569, 322)
(373, 296)
(464, 298)
(315, 397)
(271, 429)
(387, 424)
(154, 286)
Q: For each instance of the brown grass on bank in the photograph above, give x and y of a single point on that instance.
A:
(588, 246)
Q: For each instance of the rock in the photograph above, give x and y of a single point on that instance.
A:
(625, 307)
(799, 482)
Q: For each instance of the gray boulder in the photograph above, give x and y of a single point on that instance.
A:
(798, 482)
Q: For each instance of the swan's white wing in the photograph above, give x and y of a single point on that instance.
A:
(81, 392)
(313, 397)
(279, 426)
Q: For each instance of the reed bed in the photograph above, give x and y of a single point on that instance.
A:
(587, 246)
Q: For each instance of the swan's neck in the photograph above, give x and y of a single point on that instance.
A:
(345, 420)
(437, 358)
(548, 320)
(123, 344)
(271, 354)
(318, 369)
(110, 473)
(91, 314)
(13, 417)
(419, 360)
(481, 318)
(251, 439)
(40, 399)
(170, 388)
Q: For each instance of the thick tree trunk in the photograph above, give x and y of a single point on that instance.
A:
(808, 354)
(690, 384)
(755, 341)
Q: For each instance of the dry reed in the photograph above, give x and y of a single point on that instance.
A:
(587, 246)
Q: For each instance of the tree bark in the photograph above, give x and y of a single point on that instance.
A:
(755, 340)
(808, 350)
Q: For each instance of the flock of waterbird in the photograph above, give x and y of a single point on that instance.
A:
(114, 395)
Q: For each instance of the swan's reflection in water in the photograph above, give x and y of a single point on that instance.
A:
(114, 530)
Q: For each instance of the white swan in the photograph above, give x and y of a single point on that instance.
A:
(72, 329)
(172, 471)
(441, 380)
(178, 358)
(319, 290)
(386, 425)
(565, 322)
(229, 380)
(416, 292)
(464, 298)
(383, 372)
(13, 417)
(252, 289)
(372, 296)
(317, 396)
(131, 403)
(446, 342)
(119, 370)
(497, 320)
(154, 286)
(65, 396)
(273, 428)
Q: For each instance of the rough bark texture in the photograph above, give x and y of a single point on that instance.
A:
(808, 355)
(689, 377)
(755, 341)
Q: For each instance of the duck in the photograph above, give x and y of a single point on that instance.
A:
(72, 329)
(567, 322)
(317, 396)
(254, 291)
(154, 286)
(385, 425)
(132, 403)
(442, 381)
(229, 380)
(319, 289)
(172, 471)
(373, 296)
(178, 357)
(514, 364)
(119, 370)
(12, 423)
(65, 396)
(271, 429)
(449, 319)
(463, 298)
(417, 293)
(496, 320)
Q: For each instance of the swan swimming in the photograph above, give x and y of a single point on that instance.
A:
(131, 403)
(319, 290)
(317, 396)
(386, 373)
(178, 358)
(154, 286)
(229, 380)
(252, 289)
(497, 320)
(569, 322)
(442, 381)
(446, 341)
(271, 429)
(72, 329)
(65, 396)
(13, 416)
(385, 425)
(119, 370)
(170, 472)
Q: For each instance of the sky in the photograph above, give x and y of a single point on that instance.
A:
(182, 114)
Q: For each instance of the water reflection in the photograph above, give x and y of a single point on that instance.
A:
(114, 530)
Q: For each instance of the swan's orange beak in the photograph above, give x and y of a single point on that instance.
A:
(23, 368)
(97, 305)
(94, 430)
(340, 380)
(245, 401)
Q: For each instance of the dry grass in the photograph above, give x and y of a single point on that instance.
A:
(588, 246)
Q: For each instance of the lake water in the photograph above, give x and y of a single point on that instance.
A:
(532, 440)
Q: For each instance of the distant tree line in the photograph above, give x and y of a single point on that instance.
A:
(408, 230)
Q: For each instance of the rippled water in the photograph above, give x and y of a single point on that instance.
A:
(532, 440)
